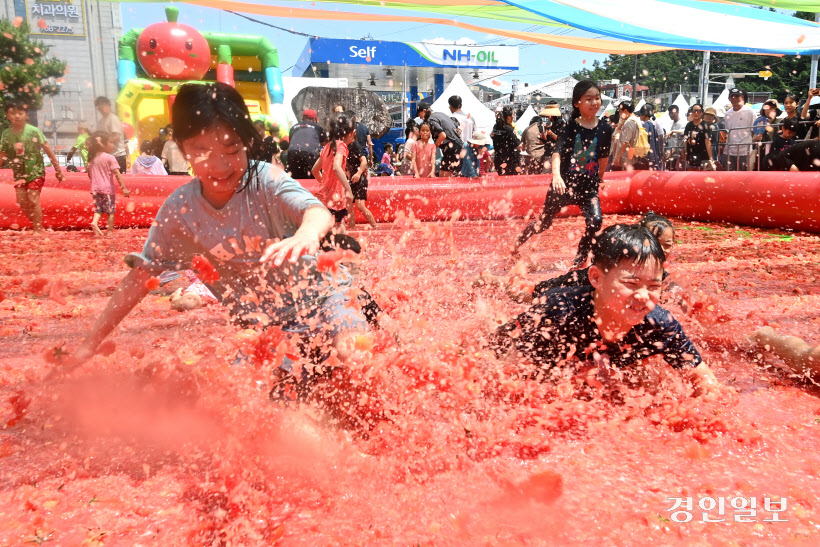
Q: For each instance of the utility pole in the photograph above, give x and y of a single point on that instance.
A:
(635, 80)
(813, 77)
(704, 80)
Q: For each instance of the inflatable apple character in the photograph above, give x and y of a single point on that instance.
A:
(172, 51)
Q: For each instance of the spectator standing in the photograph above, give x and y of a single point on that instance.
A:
(552, 112)
(484, 160)
(626, 137)
(467, 126)
(111, 124)
(411, 134)
(653, 160)
(697, 149)
(738, 121)
(79, 145)
(781, 143)
(674, 140)
(790, 104)
(147, 163)
(306, 141)
(172, 157)
(264, 147)
(158, 142)
(505, 144)
(444, 133)
(717, 135)
(533, 139)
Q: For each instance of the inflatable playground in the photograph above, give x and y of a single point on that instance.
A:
(154, 61)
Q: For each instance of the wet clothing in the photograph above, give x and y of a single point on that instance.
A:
(804, 155)
(424, 154)
(264, 150)
(778, 146)
(362, 132)
(507, 158)
(563, 326)
(105, 203)
(580, 150)
(354, 161)
(24, 152)
(233, 238)
(101, 172)
(452, 145)
(332, 192)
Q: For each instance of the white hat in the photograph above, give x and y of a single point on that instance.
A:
(479, 138)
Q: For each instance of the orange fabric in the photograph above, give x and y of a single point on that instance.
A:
(593, 45)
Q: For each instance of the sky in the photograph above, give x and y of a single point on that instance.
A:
(538, 63)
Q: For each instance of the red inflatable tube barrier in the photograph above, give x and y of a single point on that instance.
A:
(777, 200)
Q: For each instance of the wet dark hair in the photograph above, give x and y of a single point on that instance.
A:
(200, 107)
(631, 243)
(656, 224)
(95, 143)
(791, 124)
(16, 104)
(340, 125)
(146, 147)
(345, 242)
(579, 91)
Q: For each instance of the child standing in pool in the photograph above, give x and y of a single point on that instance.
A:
(615, 319)
(329, 170)
(424, 153)
(249, 227)
(103, 170)
(578, 164)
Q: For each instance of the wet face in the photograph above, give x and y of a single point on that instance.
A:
(628, 292)
(667, 241)
(218, 157)
(589, 103)
(424, 132)
(17, 116)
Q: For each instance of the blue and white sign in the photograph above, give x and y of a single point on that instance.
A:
(416, 54)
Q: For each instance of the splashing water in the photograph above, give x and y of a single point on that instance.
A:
(428, 440)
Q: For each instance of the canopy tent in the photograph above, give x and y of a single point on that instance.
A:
(743, 29)
(523, 121)
(721, 102)
(639, 105)
(483, 116)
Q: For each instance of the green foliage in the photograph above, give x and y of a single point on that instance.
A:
(666, 71)
(25, 73)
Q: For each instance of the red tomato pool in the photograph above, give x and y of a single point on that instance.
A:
(160, 441)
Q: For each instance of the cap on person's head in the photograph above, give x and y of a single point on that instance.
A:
(550, 110)
(454, 101)
(310, 113)
(710, 111)
(425, 105)
(736, 92)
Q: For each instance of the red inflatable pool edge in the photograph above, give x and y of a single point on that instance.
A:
(775, 200)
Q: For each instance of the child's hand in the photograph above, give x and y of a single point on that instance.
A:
(291, 248)
(355, 177)
(60, 176)
(349, 195)
(126, 192)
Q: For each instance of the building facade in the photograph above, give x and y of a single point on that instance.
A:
(84, 34)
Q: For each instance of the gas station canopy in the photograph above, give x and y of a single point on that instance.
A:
(410, 66)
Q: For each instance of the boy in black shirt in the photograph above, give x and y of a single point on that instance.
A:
(781, 143)
(616, 319)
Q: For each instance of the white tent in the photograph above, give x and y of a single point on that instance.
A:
(524, 121)
(683, 106)
(483, 116)
(639, 106)
(721, 102)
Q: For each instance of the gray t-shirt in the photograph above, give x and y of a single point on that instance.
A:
(233, 239)
(441, 122)
(110, 123)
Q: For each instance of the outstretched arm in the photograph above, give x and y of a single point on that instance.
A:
(131, 290)
(316, 221)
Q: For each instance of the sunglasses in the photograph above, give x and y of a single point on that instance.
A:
(697, 110)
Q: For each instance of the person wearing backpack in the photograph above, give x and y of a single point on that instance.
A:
(626, 137)
(653, 159)
(697, 142)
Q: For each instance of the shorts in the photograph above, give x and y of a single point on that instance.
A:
(36, 184)
(359, 189)
(451, 158)
(104, 203)
(338, 214)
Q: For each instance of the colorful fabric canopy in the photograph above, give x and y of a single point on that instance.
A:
(685, 24)
(569, 42)
(797, 5)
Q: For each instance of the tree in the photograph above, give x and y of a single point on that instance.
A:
(25, 72)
